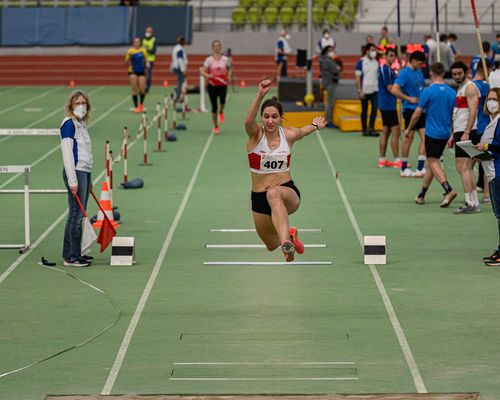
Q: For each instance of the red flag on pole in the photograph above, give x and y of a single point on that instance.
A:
(107, 231)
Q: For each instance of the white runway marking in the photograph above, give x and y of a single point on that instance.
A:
(269, 363)
(403, 342)
(256, 246)
(110, 381)
(234, 230)
(268, 263)
(265, 379)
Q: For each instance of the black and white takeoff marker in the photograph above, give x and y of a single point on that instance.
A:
(375, 250)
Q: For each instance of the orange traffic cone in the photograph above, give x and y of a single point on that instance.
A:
(105, 203)
(165, 83)
(243, 84)
(72, 83)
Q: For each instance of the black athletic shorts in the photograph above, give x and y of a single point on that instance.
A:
(457, 136)
(434, 147)
(389, 118)
(137, 73)
(407, 114)
(259, 199)
(214, 93)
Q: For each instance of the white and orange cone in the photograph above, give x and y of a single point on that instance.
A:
(106, 206)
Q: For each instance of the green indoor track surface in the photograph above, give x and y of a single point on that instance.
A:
(427, 322)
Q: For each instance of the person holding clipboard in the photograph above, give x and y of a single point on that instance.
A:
(490, 143)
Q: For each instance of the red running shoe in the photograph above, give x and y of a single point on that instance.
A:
(294, 236)
(141, 107)
(288, 250)
(221, 118)
(216, 130)
(137, 109)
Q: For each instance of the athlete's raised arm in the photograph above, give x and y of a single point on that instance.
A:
(294, 134)
(251, 126)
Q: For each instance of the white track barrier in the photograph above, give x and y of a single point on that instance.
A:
(29, 132)
(203, 107)
(24, 169)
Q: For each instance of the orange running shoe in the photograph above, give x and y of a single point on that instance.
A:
(221, 118)
(216, 130)
(294, 236)
(288, 250)
(137, 109)
(141, 107)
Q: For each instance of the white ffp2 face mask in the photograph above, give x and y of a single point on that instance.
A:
(80, 111)
(492, 106)
(373, 54)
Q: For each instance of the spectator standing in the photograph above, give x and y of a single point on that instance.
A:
(387, 103)
(367, 84)
(148, 42)
(495, 48)
(384, 37)
(477, 58)
(408, 86)
(446, 55)
(326, 40)
(179, 65)
(465, 128)
(452, 40)
(282, 49)
(437, 101)
(330, 78)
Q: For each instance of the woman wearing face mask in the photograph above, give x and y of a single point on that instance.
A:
(274, 195)
(490, 141)
(77, 158)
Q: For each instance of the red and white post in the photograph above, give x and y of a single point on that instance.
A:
(110, 186)
(158, 124)
(125, 155)
(145, 139)
(165, 117)
(174, 114)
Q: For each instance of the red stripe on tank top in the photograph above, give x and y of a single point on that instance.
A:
(254, 160)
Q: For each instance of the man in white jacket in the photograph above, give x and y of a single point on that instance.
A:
(179, 65)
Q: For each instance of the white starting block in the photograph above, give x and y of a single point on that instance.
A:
(375, 250)
(123, 250)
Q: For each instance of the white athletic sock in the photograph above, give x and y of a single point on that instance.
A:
(381, 159)
(397, 159)
(468, 199)
(474, 198)
(421, 157)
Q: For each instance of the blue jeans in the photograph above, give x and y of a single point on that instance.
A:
(180, 80)
(495, 202)
(73, 230)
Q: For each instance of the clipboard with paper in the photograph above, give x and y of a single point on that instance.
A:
(469, 148)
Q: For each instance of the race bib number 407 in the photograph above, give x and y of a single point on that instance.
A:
(274, 163)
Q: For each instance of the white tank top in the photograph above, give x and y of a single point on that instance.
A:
(264, 160)
(461, 111)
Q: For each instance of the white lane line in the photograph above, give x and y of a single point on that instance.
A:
(269, 363)
(16, 262)
(50, 152)
(265, 379)
(255, 246)
(270, 263)
(115, 370)
(233, 230)
(6, 110)
(403, 341)
(14, 89)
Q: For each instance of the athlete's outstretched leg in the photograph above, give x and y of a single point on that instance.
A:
(265, 229)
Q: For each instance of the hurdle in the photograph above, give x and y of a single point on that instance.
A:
(174, 113)
(23, 169)
(165, 117)
(158, 115)
(240, 230)
(265, 263)
(125, 155)
(145, 139)
(258, 246)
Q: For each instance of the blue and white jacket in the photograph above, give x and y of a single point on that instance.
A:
(76, 148)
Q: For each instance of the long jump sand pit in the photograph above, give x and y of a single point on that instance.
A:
(426, 396)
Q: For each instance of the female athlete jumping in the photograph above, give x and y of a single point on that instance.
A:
(274, 195)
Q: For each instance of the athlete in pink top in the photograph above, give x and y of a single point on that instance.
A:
(274, 195)
(217, 69)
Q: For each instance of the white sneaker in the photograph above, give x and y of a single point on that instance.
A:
(419, 173)
(407, 173)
